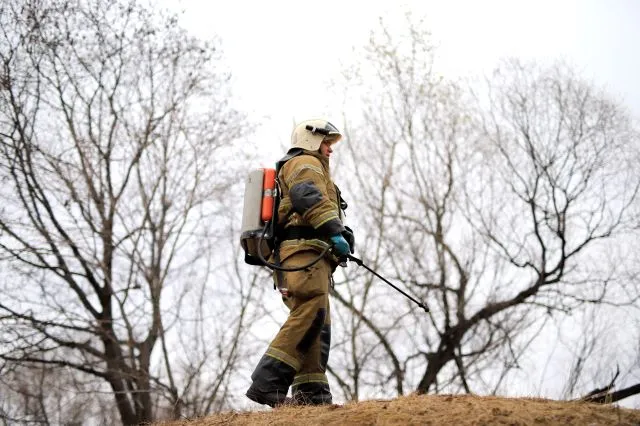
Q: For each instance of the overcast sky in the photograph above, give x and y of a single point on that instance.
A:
(283, 53)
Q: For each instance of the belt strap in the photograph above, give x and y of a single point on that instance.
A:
(299, 233)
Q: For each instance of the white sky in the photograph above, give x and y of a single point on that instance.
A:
(283, 53)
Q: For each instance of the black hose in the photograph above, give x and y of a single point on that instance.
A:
(282, 268)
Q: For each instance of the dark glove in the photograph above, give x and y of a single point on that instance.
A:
(340, 245)
(348, 235)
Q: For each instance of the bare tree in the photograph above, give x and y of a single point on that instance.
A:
(493, 206)
(116, 152)
(605, 364)
(409, 153)
(558, 202)
(47, 395)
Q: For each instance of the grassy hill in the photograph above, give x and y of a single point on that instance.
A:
(463, 410)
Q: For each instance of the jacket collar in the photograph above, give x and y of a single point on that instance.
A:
(324, 160)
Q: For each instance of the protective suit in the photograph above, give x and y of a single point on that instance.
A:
(308, 214)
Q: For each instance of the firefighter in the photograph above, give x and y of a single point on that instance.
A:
(309, 219)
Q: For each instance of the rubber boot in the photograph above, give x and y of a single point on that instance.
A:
(312, 394)
(271, 381)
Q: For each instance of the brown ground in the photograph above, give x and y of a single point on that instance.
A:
(463, 410)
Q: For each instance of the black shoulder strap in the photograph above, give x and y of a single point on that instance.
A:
(293, 152)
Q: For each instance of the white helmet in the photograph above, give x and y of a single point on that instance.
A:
(309, 134)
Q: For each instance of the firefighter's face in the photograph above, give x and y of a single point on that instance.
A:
(325, 149)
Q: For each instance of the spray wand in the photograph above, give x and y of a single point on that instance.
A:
(360, 263)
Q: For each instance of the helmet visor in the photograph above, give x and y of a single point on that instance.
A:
(332, 135)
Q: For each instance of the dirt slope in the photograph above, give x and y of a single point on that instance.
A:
(460, 410)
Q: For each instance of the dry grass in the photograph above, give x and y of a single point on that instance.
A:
(463, 410)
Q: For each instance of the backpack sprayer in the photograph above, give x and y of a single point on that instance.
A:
(258, 236)
(257, 233)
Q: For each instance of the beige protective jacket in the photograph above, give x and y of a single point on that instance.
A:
(309, 199)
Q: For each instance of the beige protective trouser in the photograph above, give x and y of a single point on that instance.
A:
(304, 339)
